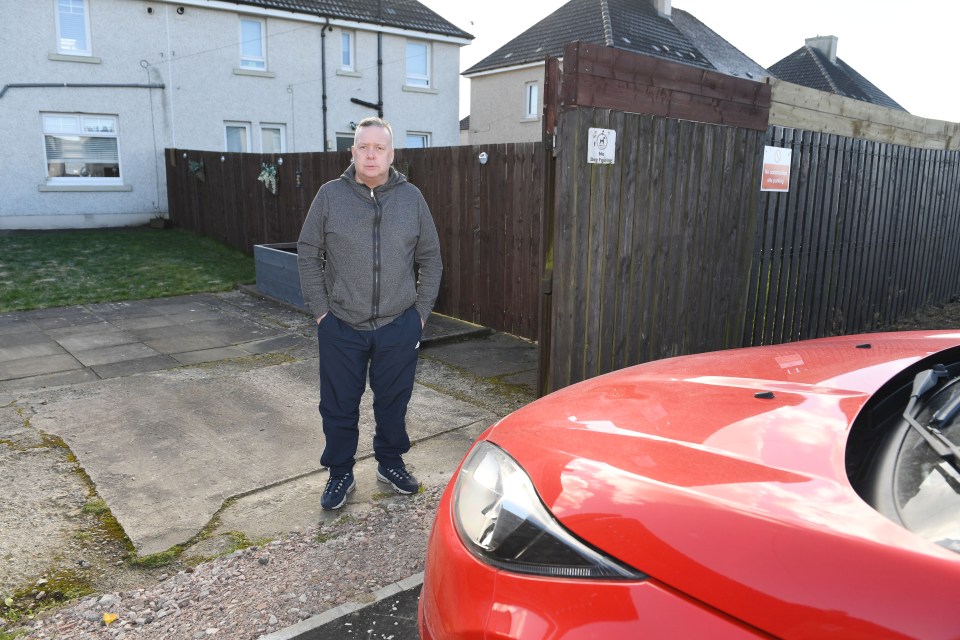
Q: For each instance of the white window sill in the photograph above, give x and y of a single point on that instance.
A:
(59, 57)
(533, 119)
(253, 72)
(349, 72)
(420, 89)
(84, 187)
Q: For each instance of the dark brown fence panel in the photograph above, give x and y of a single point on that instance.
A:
(673, 249)
(487, 215)
(651, 253)
(866, 235)
(598, 76)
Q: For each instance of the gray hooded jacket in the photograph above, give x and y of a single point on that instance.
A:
(358, 247)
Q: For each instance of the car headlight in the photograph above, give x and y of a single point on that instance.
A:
(502, 521)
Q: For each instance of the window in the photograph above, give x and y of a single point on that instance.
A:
(346, 51)
(531, 105)
(81, 148)
(418, 64)
(417, 140)
(237, 136)
(344, 141)
(273, 138)
(252, 48)
(73, 28)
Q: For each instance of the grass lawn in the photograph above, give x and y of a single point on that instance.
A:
(40, 269)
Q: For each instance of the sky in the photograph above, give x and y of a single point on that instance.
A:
(904, 47)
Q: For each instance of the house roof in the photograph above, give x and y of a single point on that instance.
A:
(810, 67)
(725, 57)
(403, 14)
(630, 25)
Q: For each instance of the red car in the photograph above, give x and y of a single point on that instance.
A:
(804, 490)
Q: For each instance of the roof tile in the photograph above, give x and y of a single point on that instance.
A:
(809, 67)
(403, 14)
(631, 25)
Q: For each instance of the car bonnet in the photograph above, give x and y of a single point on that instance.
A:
(722, 475)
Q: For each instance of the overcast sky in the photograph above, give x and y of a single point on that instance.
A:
(906, 48)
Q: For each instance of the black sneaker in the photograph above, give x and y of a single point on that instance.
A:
(401, 479)
(335, 494)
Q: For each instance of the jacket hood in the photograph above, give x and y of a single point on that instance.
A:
(394, 178)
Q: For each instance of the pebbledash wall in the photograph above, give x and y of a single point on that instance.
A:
(169, 73)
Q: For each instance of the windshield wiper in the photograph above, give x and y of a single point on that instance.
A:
(922, 383)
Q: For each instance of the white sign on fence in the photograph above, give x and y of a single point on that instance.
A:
(776, 169)
(602, 146)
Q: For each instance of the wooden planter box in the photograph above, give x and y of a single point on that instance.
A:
(277, 273)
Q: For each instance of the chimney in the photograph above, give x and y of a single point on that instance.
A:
(827, 45)
(663, 8)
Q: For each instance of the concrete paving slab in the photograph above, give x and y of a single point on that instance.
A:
(13, 327)
(295, 504)
(209, 355)
(32, 346)
(56, 379)
(35, 366)
(117, 353)
(187, 343)
(134, 367)
(139, 324)
(64, 317)
(183, 441)
(167, 443)
(96, 340)
(287, 343)
(114, 353)
(114, 311)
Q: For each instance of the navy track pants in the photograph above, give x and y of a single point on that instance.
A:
(345, 353)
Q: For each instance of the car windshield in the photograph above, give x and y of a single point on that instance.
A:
(927, 487)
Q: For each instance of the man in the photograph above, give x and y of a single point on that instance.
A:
(360, 241)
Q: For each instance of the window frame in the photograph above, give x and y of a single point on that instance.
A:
(81, 132)
(282, 128)
(415, 79)
(422, 135)
(349, 49)
(227, 125)
(531, 111)
(250, 62)
(87, 51)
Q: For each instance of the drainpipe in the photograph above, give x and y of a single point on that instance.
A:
(73, 85)
(323, 79)
(380, 72)
(380, 60)
(379, 105)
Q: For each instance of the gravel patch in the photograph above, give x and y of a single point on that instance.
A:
(262, 589)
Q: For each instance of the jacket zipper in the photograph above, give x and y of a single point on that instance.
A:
(376, 260)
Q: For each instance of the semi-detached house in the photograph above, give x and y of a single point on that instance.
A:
(93, 91)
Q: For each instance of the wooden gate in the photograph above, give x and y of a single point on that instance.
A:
(673, 248)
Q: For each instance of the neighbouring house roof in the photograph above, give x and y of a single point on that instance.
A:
(810, 67)
(630, 25)
(725, 57)
(404, 14)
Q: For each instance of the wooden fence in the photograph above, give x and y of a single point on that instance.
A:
(487, 215)
(867, 234)
(673, 249)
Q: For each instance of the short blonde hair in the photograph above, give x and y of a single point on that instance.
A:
(373, 122)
